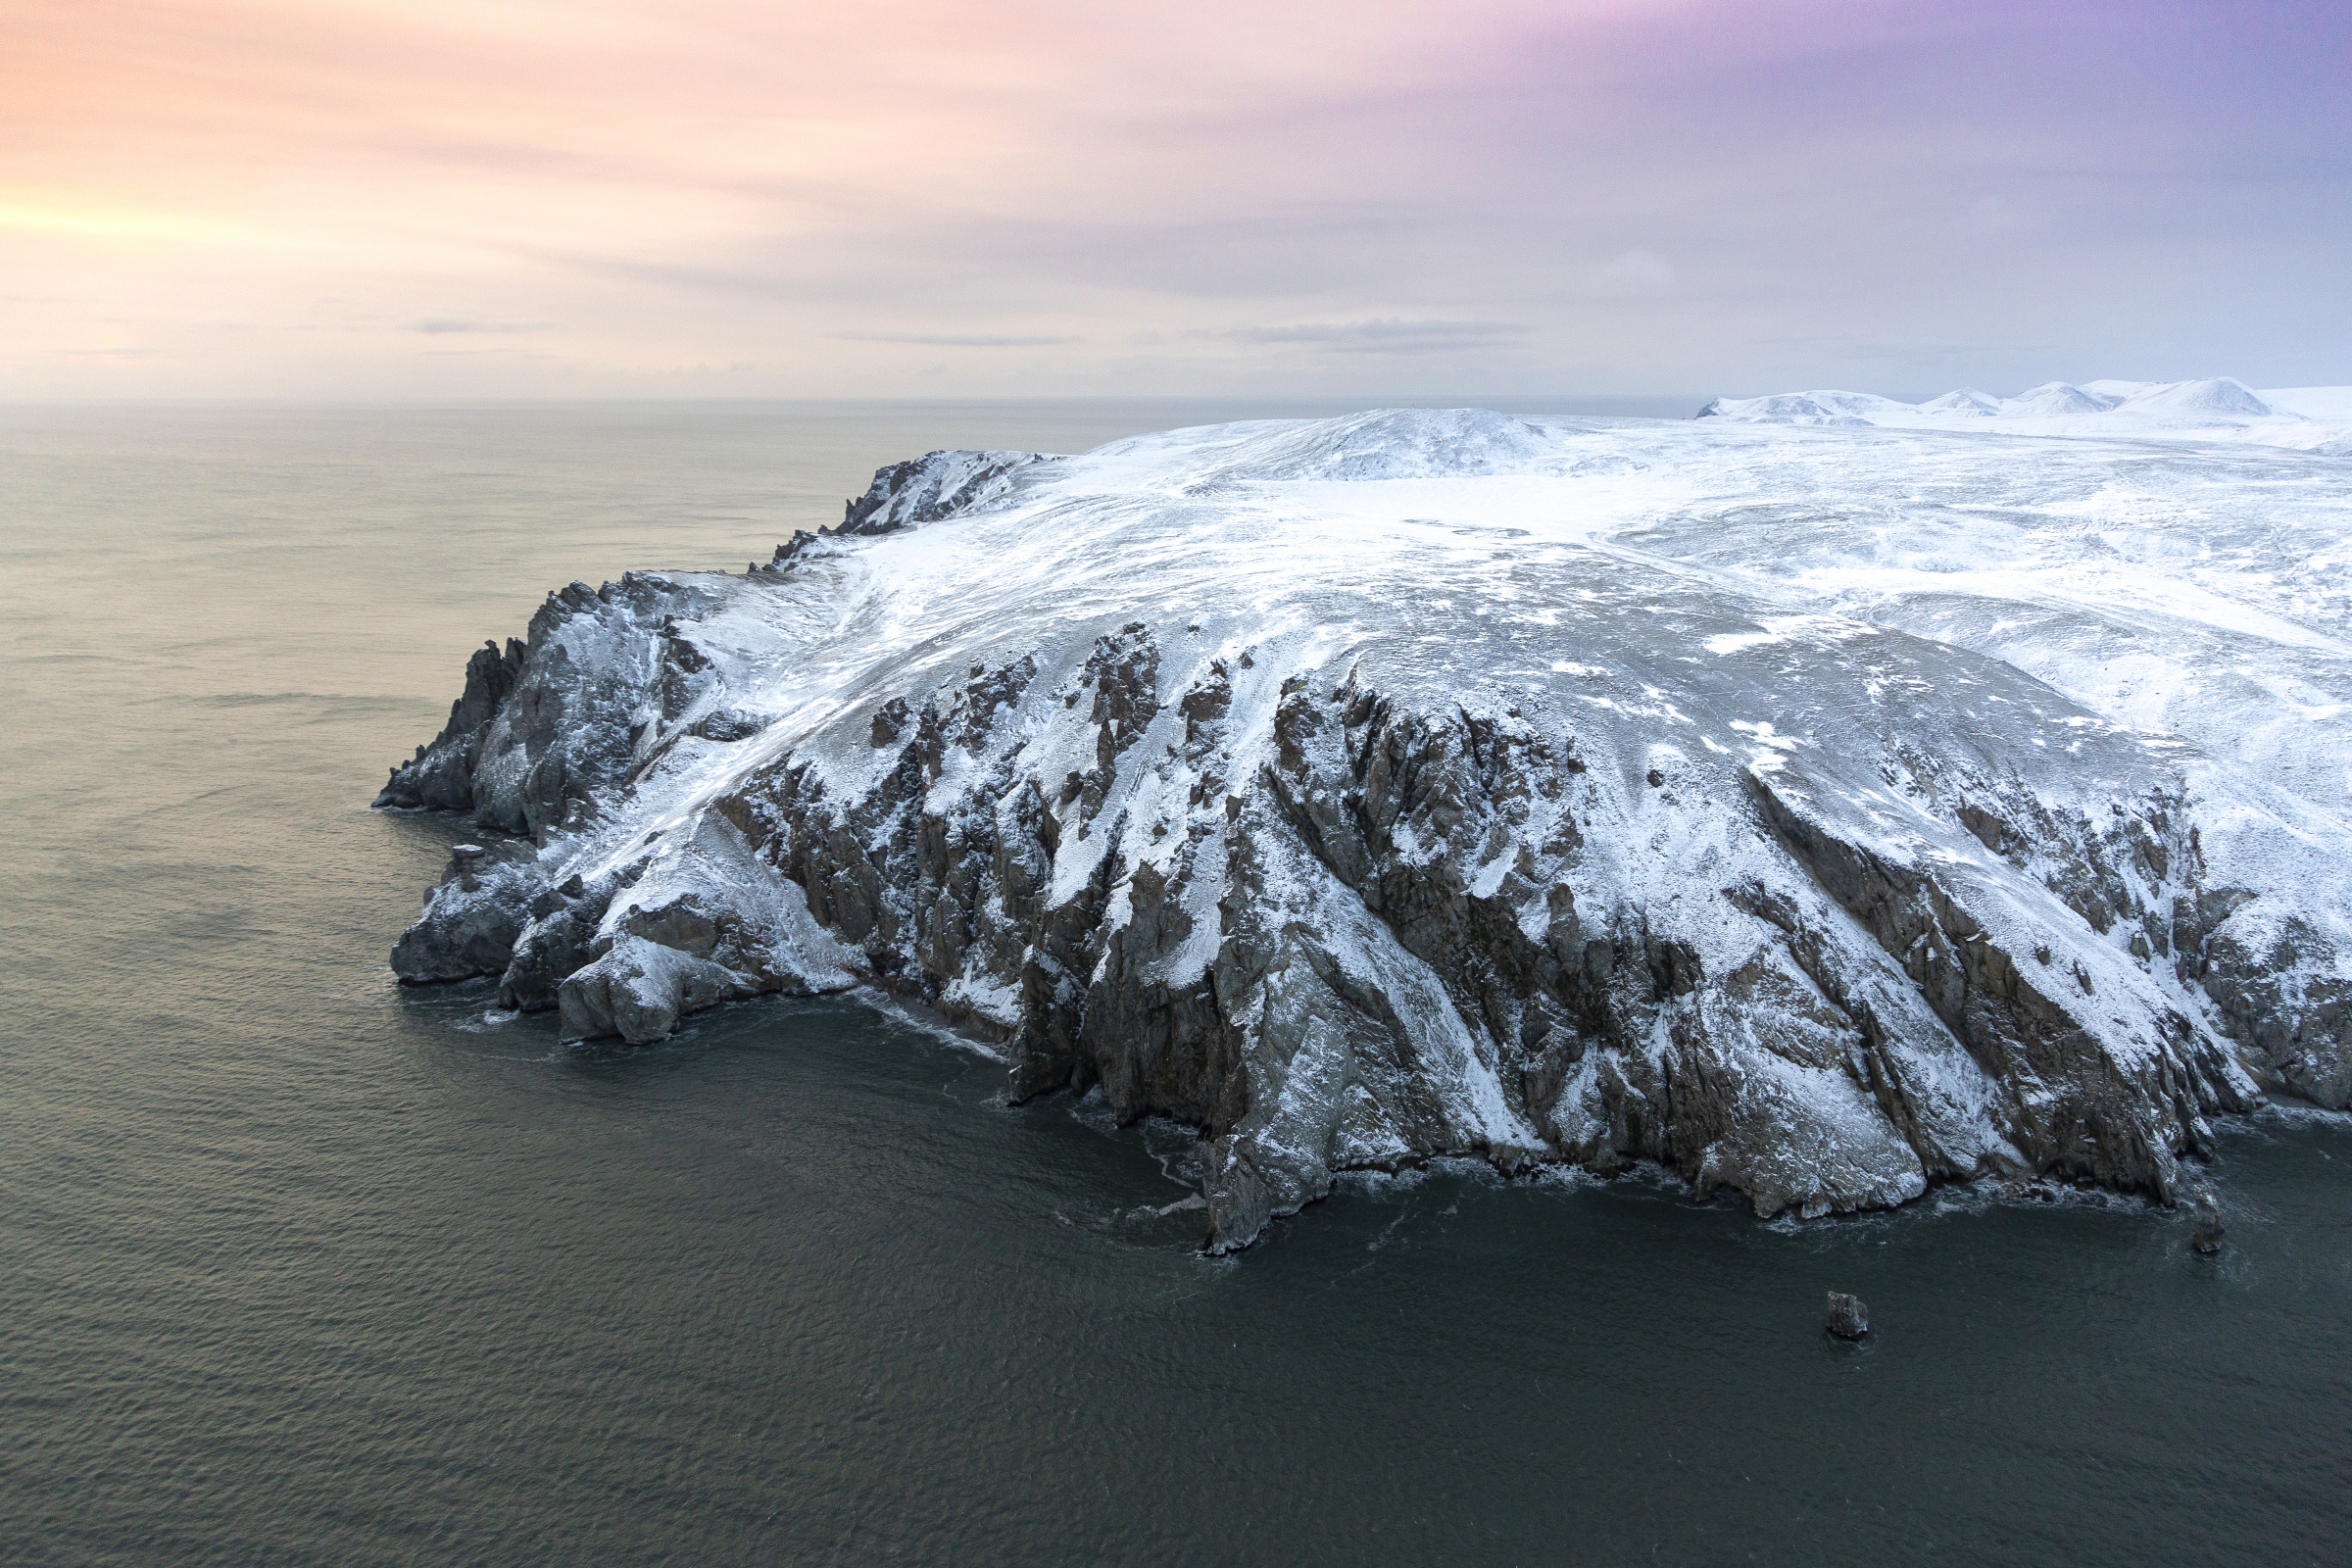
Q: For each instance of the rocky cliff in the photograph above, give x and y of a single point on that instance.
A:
(1760, 801)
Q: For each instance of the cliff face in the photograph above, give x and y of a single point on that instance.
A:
(1425, 783)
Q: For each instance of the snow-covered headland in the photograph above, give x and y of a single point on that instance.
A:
(1824, 798)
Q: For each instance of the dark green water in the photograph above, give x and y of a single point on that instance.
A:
(298, 1268)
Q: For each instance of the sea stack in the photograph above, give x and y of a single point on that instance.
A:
(1848, 1317)
(2206, 1236)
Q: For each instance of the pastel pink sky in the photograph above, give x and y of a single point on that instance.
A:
(360, 198)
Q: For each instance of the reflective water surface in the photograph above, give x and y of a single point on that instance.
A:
(299, 1268)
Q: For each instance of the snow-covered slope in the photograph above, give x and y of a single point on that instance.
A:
(1822, 809)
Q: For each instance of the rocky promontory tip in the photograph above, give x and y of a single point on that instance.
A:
(1427, 783)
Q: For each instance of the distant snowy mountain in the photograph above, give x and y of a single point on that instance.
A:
(2058, 397)
(2051, 409)
(1967, 402)
(1822, 799)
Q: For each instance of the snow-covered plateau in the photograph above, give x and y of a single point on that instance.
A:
(1822, 799)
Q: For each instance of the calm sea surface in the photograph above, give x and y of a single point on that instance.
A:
(296, 1267)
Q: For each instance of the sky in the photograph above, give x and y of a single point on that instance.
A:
(420, 199)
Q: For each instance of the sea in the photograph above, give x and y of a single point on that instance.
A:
(298, 1267)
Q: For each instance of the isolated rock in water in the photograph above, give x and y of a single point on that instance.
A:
(1848, 1317)
(2207, 1230)
(1816, 811)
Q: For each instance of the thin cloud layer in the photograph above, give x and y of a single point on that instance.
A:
(290, 197)
(439, 325)
(957, 340)
(1391, 336)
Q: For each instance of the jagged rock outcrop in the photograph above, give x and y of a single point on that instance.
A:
(921, 489)
(1213, 772)
(440, 776)
(934, 485)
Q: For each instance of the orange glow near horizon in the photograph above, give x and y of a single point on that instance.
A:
(488, 157)
(264, 197)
